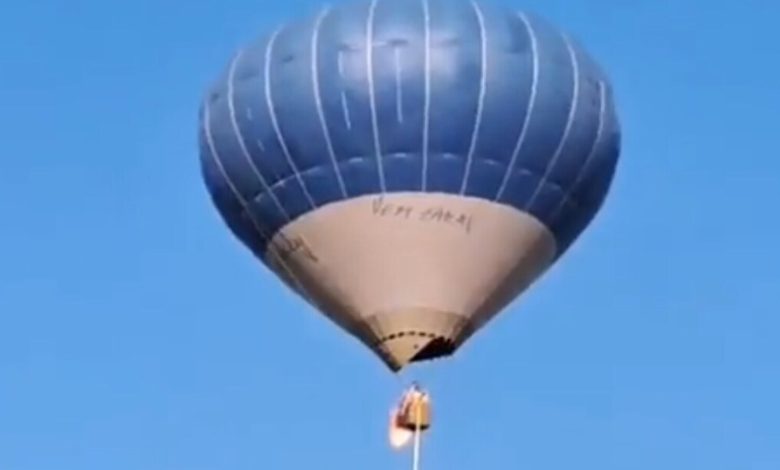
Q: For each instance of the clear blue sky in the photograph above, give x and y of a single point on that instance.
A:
(137, 334)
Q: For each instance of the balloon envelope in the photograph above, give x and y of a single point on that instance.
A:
(410, 167)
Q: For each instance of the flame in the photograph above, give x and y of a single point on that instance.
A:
(399, 437)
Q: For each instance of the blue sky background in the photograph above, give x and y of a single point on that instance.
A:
(137, 334)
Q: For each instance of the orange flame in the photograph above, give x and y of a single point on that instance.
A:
(399, 437)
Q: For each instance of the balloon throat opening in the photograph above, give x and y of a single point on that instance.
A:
(405, 348)
(438, 347)
(402, 337)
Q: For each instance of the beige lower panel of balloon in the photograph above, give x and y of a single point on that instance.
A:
(413, 275)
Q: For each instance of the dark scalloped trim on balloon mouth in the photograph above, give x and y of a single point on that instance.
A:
(436, 346)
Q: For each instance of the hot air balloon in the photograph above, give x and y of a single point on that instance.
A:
(409, 167)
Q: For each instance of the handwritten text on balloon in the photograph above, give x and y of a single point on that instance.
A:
(287, 246)
(423, 213)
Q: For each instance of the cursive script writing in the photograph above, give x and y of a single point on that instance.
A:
(287, 246)
(428, 213)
